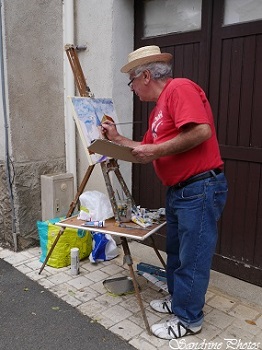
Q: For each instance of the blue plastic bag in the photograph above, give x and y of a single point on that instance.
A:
(104, 247)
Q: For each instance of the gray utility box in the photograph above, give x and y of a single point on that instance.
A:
(57, 193)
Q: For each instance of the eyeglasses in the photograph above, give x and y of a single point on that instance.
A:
(131, 81)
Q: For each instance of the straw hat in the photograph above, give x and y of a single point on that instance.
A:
(144, 55)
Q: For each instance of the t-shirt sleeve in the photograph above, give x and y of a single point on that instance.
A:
(187, 105)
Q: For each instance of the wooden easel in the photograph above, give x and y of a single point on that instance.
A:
(106, 167)
(111, 164)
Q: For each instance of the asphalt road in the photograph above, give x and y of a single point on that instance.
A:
(32, 318)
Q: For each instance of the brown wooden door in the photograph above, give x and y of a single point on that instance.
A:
(236, 97)
(227, 62)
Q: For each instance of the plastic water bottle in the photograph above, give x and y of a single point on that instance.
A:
(74, 261)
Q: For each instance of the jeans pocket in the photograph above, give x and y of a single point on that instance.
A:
(193, 191)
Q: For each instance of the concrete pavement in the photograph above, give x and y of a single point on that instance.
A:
(233, 310)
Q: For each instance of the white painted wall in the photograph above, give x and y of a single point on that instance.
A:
(36, 94)
(106, 27)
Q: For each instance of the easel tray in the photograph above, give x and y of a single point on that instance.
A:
(133, 231)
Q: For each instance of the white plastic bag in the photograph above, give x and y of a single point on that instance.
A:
(94, 206)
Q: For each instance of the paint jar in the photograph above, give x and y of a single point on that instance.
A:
(74, 261)
(124, 209)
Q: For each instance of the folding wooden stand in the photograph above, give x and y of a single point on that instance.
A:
(133, 231)
(111, 227)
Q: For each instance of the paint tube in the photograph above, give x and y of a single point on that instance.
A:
(94, 223)
(139, 221)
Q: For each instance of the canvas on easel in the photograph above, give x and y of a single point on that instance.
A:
(88, 113)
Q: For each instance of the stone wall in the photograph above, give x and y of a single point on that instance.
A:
(6, 239)
(27, 199)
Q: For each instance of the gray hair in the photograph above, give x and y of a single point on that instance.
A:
(158, 70)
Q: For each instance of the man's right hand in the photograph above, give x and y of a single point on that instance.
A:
(109, 130)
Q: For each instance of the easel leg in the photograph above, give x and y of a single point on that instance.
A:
(69, 213)
(128, 260)
(51, 249)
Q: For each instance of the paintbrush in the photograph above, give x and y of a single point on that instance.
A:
(123, 123)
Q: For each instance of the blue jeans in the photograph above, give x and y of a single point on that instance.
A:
(192, 213)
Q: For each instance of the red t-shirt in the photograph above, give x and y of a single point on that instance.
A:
(182, 102)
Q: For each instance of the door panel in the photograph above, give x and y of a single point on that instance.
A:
(227, 62)
(236, 100)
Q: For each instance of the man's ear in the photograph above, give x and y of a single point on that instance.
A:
(146, 76)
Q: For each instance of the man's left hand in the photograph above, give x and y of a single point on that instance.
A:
(145, 153)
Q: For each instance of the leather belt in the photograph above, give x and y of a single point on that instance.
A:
(198, 177)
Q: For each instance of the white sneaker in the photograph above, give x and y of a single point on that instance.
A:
(173, 329)
(162, 305)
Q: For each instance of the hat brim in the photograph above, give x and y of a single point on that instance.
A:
(162, 57)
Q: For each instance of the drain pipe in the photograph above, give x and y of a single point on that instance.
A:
(7, 155)
(69, 89)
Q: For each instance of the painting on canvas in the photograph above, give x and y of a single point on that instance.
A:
(88, 113)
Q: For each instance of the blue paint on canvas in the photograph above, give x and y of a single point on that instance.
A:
(89, 112)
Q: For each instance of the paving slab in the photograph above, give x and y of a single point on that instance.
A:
(233, 309)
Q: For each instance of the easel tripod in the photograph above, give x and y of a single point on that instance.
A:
(106, 167)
